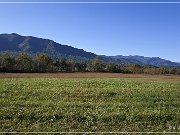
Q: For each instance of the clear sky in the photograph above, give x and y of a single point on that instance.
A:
(106, 29)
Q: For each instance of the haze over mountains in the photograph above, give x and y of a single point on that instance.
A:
(17, 43)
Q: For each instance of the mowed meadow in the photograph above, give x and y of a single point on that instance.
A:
(88, 103)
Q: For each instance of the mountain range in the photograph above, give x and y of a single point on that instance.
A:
(15, 43)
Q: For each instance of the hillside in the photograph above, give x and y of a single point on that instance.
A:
(154, 61)
(17, 43)
(14, 42)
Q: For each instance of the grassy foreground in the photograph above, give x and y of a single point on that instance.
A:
(90, 104)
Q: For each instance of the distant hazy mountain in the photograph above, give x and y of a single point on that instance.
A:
(154, 61)
(17, 43)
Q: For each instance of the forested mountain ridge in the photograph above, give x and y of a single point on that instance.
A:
(14, 42)
(154, 61)
(29, 44)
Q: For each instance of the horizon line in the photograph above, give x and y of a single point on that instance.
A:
(81, 2)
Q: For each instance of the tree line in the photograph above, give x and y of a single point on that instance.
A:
(42, 63)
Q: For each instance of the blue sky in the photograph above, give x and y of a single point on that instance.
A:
(108, 29)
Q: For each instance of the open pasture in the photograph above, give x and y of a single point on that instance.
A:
(108, 103)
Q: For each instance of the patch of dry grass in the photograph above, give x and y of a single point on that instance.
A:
(84, 75)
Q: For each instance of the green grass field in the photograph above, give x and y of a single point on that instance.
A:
(96, 105)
